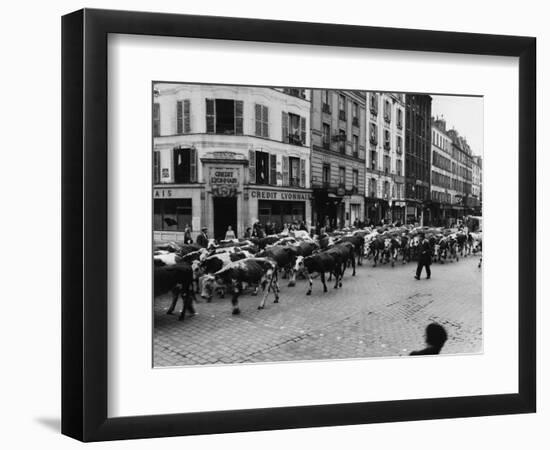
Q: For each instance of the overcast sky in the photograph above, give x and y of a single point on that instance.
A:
(465, 114)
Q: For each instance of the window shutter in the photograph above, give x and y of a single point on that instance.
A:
(273, 169)
(265, 120)
(258, 113)
(239, 117)
(285, 171)
(302, 173)
(252, 166)
(156, 167)
(285, 127)
(210, 116)
(186, 116)
(179, 117)
(303, 130)
(156, 119)
(193, 165)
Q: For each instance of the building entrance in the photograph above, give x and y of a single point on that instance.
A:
(225, 214)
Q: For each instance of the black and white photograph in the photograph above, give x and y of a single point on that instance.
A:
(303, 224)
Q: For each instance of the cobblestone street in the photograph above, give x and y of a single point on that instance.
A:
(382, 311)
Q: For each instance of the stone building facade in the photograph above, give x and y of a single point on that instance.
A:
(385, 169)
(337, 157)
(229, 155)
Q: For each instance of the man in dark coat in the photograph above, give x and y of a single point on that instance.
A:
(424, 258)
(202, 239)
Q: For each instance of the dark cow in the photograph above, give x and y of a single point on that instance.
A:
(345, 253)
(285, 257)
(252, 271)
(358, 244)
(321, 263)
(376, 248)
(178, 279)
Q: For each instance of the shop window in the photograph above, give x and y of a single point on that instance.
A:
(224, 116)
(172, 214)
(185, 165)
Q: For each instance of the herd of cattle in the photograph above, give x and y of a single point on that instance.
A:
(258, 263)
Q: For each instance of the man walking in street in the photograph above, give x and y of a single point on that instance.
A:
(424, 258)
(202, 239)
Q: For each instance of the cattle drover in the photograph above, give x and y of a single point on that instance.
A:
(424, 258)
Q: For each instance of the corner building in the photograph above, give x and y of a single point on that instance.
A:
(229, 155)
(337, 157)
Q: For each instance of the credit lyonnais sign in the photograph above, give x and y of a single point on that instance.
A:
(224, 181)
(280, 195)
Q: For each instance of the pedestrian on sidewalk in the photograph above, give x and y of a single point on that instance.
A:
(435, 337)
(230, 234)
(424, 257)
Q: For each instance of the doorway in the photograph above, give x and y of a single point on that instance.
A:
(225, 213)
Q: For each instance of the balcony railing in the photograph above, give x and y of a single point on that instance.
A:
(326, 108)
(387, 146)
(295, 139)
(372, 139)
(294, 182)
(339, 138)
(326, 145)
(387, 117)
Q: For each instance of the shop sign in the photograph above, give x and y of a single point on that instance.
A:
(280, 195)
(170, 193)
(224, 180)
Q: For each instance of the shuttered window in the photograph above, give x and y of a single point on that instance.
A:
(183, 119)
(156, 167)
(285, 171)
(210, 116)
(186, 116)
(156, 119)
(303, 130)
(262, 127)
(252, 166)
(284, 121)
(273, 170)
(239, 117)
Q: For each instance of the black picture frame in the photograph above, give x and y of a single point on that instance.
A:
(84, 224)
